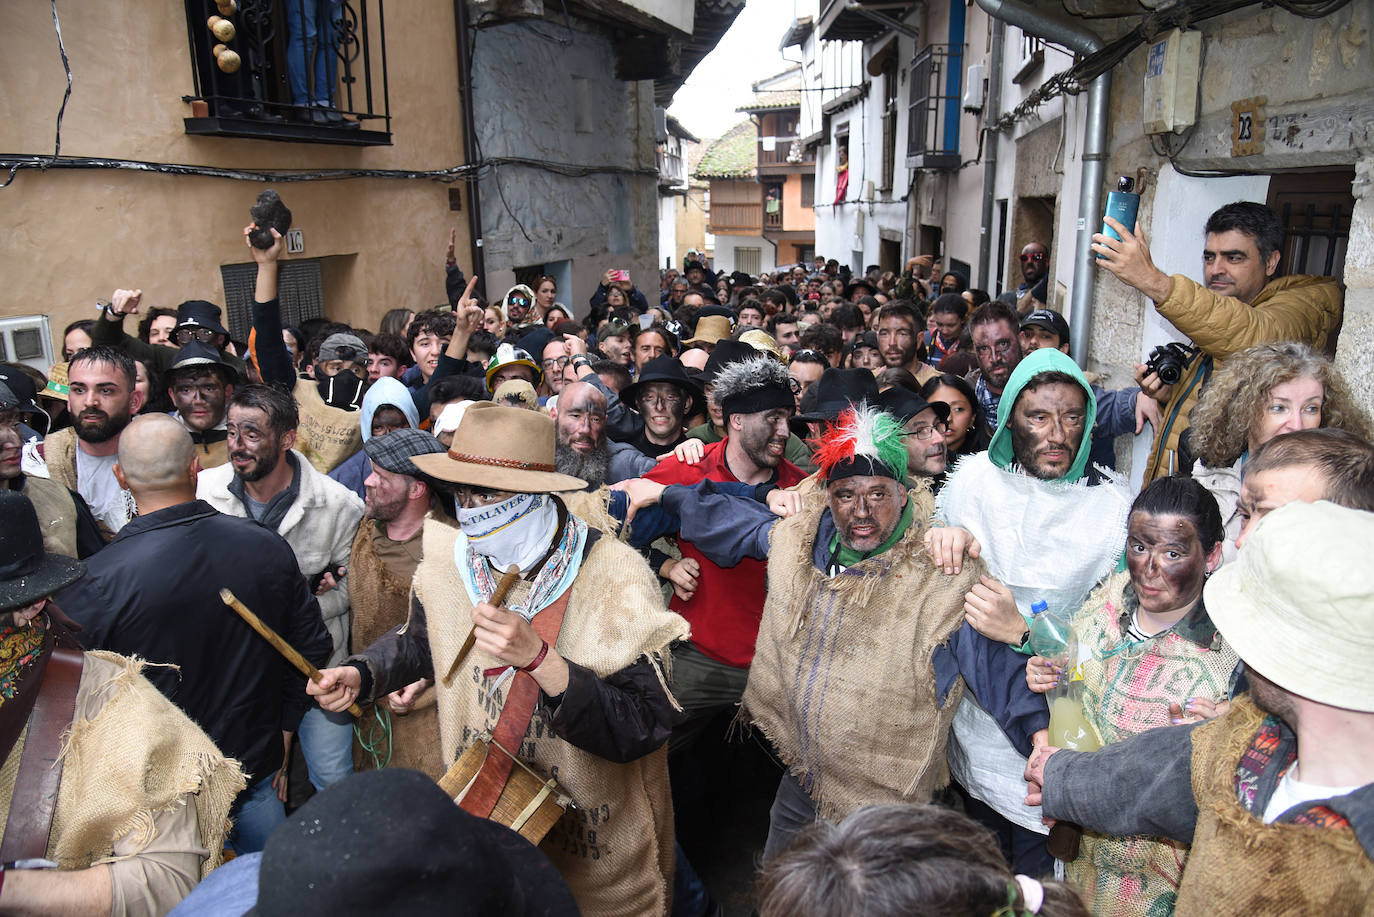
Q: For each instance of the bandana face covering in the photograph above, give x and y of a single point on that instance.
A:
(516, 531)
(341, 390)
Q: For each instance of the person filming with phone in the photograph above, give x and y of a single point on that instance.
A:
(1244, 302)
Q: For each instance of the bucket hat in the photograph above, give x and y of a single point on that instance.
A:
(665, 369)
(1297, 604)
(197, 313)
(27, 571)
(501, 448)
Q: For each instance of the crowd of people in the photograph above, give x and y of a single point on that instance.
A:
(554, 563)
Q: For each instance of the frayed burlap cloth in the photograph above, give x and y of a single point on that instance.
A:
(1239, 865)
(842, 681)
(326, 435)
(131, 754)
(615, 849)
(379, 602)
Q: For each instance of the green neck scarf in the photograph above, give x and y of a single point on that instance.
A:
(846, 556)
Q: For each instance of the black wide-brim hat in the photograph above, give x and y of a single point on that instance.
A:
(861, 282)
(391, 841)
(838, 389)
(905, 404)
(197, 313)
(27, 571)
(195, 355)
(665, 369)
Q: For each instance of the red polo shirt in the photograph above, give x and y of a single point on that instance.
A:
(726, 608)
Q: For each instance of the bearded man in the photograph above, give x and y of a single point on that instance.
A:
(102, 400)
(581, 636)
(385, 554)
(1049, 526)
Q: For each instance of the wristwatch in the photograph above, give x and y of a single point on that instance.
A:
(1025, 638)
(580, 361)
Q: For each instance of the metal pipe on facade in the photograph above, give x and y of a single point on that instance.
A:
(990, 115)
(1081, 41)
(479, 268)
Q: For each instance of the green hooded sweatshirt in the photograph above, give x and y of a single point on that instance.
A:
(1046, 359)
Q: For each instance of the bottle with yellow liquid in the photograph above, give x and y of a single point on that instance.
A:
(1052, 638)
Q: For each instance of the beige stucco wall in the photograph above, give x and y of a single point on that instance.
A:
(795, 217)
(691, 222)
(75, 235)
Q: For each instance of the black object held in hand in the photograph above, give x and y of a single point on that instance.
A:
(268, 213)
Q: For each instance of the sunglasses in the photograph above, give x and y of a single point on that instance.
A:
(186, 335)
(1028, 257)
(520, 301)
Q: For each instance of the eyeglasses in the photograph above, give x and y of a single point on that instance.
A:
(184, 336)
(926, 431)
(556, 361)
(1028, 257)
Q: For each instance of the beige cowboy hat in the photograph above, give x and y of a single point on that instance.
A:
(501, 448)
(710, 329)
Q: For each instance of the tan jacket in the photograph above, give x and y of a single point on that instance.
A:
(1298, 308)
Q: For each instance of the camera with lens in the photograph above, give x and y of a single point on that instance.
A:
(1168, 361)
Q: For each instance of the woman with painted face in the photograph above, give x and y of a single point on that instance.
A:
(1149, 656)
(1260, 393)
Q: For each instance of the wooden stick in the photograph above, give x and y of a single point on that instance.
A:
(503, 589)
(281, 646)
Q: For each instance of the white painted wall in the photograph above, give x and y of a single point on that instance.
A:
(667, 229)
(1181, 208)
(725, 245)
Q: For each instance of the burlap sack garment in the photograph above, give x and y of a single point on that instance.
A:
(1239, 865)
(615, 849)
(592, 507)
(1126, 693)
(56, 512)
(379, 602)
(842, 681)
(326, 435)
(129, 755)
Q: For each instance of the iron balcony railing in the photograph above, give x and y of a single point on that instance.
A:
(933, 113)
(302, 70)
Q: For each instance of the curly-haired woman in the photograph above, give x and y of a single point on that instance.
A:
(1260, 393)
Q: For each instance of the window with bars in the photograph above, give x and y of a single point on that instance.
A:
(299, 290)
(749, 259)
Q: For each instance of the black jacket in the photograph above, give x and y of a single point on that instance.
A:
(153, 592)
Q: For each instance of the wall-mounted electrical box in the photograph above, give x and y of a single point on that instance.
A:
(1172, 71)
(973, 88)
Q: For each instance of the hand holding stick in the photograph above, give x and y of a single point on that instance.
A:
(503, 589)
(281, 646)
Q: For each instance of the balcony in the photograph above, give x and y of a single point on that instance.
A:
(933, 113)
(672, 172)
(736, 219)
(256, 76)
(858, 20)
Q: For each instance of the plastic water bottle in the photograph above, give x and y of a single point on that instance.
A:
(1052, 638)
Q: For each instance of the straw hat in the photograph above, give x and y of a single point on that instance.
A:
(57, 386)
(1297, 605)
(501, 448)
(710, 329)
(763, 342)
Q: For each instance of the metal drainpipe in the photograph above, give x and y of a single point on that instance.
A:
(479, 267)
(991, 113)
(1081, 41)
